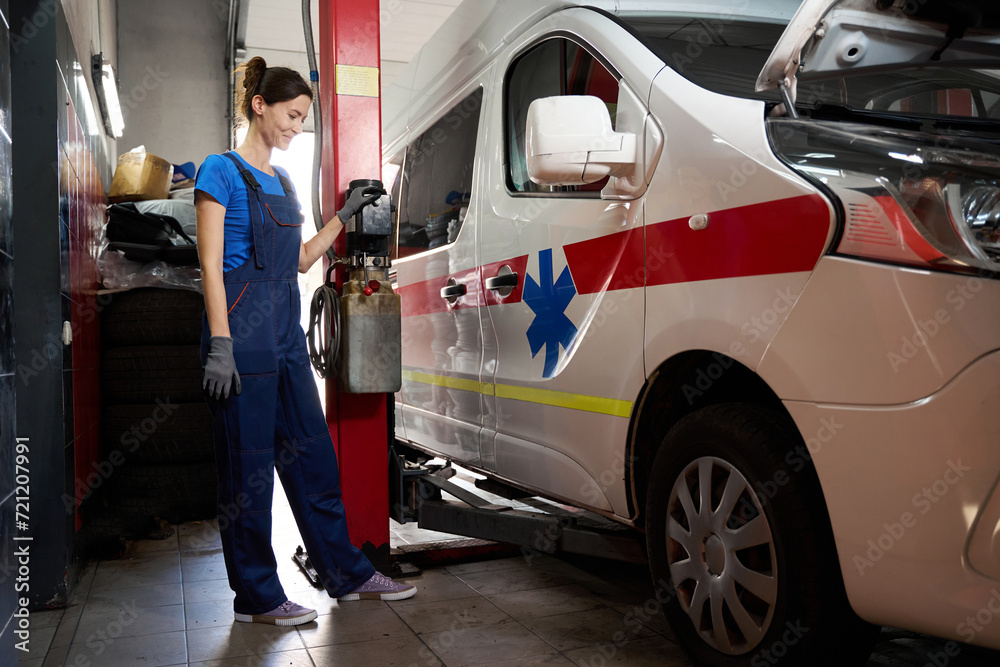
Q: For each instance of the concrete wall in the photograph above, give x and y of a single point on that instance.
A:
(173, 79)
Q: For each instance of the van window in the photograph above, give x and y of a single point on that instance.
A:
(557, 66)
(392, 179)
(436, 185)
(724, 56)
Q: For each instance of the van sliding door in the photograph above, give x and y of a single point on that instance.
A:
(437, 272)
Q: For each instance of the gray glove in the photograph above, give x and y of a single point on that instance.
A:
(358, 199)
(220, 369)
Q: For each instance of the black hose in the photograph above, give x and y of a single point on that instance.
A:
(324, 313)
(317, 111)
(324, 322)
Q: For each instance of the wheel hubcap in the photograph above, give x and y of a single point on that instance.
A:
(715, 554)
(721, 555)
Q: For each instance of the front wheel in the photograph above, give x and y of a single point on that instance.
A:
(736, 526)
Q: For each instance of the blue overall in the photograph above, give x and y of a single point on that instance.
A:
(277, 422)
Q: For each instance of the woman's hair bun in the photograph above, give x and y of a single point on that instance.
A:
(251, 72)
(274, 84)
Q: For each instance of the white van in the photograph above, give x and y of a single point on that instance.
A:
(744, 301)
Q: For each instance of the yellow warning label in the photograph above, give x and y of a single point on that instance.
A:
(356, 80)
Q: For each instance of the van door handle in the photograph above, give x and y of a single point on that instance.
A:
(502, 280)
(453, 290)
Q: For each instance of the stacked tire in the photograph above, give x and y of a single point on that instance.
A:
(156, 429)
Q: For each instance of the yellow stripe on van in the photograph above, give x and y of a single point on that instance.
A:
(564, 399)
(449, 382)
(559, 399)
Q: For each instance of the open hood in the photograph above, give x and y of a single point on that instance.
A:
(830, 37)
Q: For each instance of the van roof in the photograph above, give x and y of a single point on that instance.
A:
(478, 29)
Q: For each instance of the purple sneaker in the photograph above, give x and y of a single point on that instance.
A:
(288, 613)
(380, 587)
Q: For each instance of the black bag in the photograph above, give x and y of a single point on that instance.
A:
(147, 237)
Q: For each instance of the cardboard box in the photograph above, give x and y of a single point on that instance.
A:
(139, 176)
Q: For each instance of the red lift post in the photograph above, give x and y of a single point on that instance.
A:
(352, 149)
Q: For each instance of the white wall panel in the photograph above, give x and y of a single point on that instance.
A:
(275, 27)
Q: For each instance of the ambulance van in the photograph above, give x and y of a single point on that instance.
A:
(726, 272)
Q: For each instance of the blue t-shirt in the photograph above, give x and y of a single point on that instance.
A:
(220, 178)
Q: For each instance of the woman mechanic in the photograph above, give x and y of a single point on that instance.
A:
(257, 375)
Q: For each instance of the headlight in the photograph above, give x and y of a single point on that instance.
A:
(975, 210)
(907, 197)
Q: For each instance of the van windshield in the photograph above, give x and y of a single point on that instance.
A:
(726, 56)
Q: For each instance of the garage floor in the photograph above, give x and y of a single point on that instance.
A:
(168, 603)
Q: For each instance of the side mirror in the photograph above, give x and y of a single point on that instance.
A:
(570, 141)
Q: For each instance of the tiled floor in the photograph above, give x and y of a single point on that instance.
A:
(168, 603)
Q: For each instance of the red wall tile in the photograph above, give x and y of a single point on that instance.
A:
(86, 204)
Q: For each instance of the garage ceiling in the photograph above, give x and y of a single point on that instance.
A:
(273, 30)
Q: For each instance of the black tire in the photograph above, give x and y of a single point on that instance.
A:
(159, 432)
(175, 492)
(145, 374)
(781, 579)
(106, 525)
(102, 535)
(166, 480)
(141, 511)
(152, 316)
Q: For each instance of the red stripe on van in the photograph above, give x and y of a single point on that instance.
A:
(519, 266)
(782, 236)
(609, 262)
(425, 297)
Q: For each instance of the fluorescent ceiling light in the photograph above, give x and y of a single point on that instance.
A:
(107, 96)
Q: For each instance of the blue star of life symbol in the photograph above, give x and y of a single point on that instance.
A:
(548, 299)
